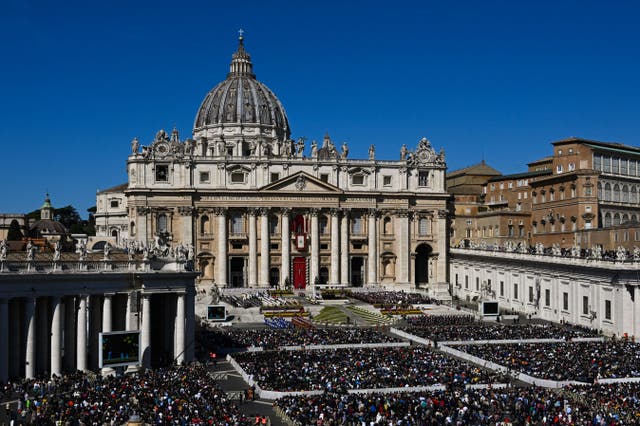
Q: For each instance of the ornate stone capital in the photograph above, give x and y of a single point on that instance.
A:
(373, 213)
(263, 211)
(335, 212)
(220, 211)
(314, 212)
(143, 210)
(404, 213)
(442, 214)
(186, 210)
(253, 211)
(285, 211)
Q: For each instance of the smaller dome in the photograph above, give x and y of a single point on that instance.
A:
(47, 227)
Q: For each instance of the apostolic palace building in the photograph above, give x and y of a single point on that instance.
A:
(260, 209)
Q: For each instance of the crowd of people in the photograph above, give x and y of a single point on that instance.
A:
(580, 361)
(360, 368)
(480, 330)
(273, 338)
(398, 298)
(514, 405)
(183, 395)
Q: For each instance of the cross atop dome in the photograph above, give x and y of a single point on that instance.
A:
(241, 61)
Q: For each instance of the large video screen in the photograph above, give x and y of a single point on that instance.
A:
(119, 348)
(216, 313)
(490, 308)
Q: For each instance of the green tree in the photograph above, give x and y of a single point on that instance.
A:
(14, 233)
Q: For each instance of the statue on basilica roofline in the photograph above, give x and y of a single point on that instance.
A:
(31, 251)
(314, 149)
(300, 147)
(57, 251)
(135, 145)
(403, 152)
(372, 152)
(345, 151)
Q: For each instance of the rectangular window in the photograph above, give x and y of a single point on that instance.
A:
(204, 177)
(606, 164)
(585, 305)
(565, 301)
(162, 173)
(275, 177)
(615, 163)
(423, 178)
(356, 225)
(559, 168)
(607, 309)
(547, 297)
(456, 279)
(237, 177)
(324, 177)
(114, 204)
(597, 162)
(515, 292)
(466, 281)
(502, 288)
(587, 191)
(623, 166)
(572, 166)
(632, 167)
(530, 294)
(386, 180)
(423, 227)
(477, 284)
(357, 180)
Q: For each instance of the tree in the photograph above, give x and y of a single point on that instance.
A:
(14, 233)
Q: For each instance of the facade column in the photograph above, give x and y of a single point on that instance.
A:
(253, 249)
(221, 260)
(179, 348)
(81, 340)
(56, 336)
(286, 246)
(335, 247)
(372, 249)
(4, 341)
(145, 332)
(315, 269)
(264, 247)
(141, 224)
(186, 215)
(344, 248)
(440, 274)
(402, 246)
(30, 352)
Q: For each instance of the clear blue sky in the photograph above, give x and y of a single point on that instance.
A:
(492, 79)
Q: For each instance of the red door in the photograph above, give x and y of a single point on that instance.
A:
(299, 272)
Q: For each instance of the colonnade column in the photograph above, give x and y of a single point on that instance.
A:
(128, 311)
(264, 247)
(221, 259)
(56, 336)
(30, 352)
(179, 354)
(107, 324)
(372, 249)
(4, 340)
(189, 327)
(314, 246)
(145, 332)
(344, 248)
(286, 247)
(253, 249)
(81, 341)
(335, 247)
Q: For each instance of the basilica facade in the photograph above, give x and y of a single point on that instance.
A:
(260, 209)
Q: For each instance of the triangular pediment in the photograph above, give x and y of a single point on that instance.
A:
(300, 182)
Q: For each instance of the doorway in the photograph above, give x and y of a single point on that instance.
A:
(423, 252)
(299, 272)
(357, 271)
(237, 272)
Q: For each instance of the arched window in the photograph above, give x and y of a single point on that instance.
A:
(599, 190)
(607, 192)
(132, 228)
(616, 219)
(162, 223)
(634, 195)
(625, 218)
(237, 223)
(423, 226)
(616, 192)
(356, 224)
(386, 226)
(273, 225)
(607, 220)
(324, 224)
(204, 225)
(625, 194)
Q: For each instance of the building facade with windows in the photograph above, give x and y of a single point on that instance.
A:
(263, 210)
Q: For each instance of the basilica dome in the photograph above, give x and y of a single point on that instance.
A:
(242, 102)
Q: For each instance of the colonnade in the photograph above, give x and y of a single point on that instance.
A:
(56, 333)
